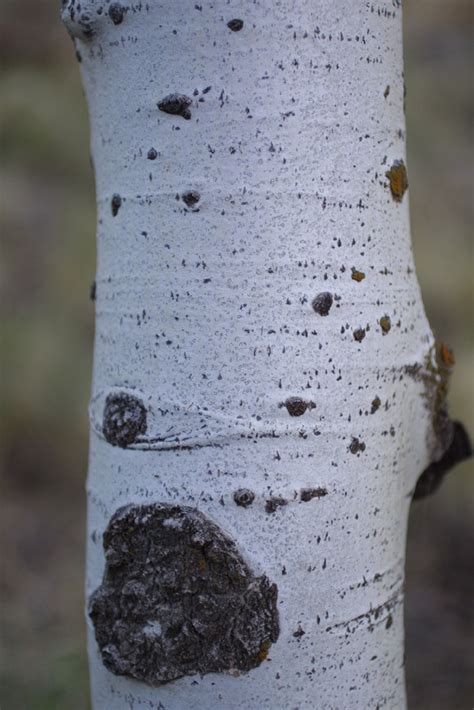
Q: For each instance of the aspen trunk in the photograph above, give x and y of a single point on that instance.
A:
(266, 387)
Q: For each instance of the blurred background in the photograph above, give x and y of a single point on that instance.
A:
(48, 257)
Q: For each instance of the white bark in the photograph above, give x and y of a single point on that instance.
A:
(205, 313)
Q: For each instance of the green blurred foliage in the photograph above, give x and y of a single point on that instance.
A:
(48, 249)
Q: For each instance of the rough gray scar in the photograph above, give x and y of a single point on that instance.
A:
(178, 599)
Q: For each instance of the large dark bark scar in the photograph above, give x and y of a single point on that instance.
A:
(178, 599)
(459, 449)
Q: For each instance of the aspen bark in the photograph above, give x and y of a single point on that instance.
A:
(266, 387)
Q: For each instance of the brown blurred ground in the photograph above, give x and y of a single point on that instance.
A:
(49, 259)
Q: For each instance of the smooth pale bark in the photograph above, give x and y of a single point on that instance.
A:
(204, 312)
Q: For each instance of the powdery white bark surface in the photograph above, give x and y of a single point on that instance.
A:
(217, 230)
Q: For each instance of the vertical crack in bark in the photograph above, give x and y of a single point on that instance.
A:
(178, 599)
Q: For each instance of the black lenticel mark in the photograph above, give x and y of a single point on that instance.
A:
(177, 105)
(235, 25)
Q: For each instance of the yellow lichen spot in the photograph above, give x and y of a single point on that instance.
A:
(385, 324)
(398, 180)
(446, 355)
(357, 275)
(263, 653)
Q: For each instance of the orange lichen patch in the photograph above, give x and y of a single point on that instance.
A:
(446, 355)
(357, 275)
(398, 180)
(202, 565)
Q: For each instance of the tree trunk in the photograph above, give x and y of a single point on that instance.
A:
(266, 387)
